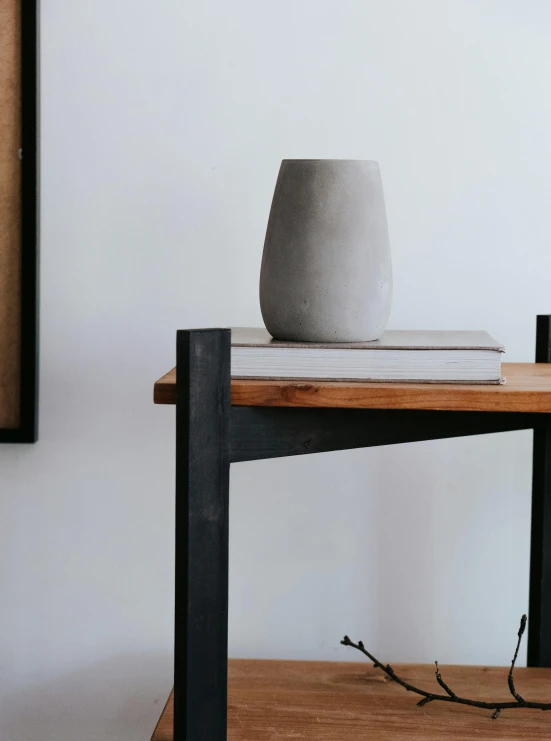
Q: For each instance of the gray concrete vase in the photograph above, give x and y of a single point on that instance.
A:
(326, 271)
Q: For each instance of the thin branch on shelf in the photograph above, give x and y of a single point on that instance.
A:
(510, 682)
(442, 683)
(450, 695)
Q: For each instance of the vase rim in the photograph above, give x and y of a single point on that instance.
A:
(328, 159)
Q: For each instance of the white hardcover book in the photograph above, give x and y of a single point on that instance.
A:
(415, 356)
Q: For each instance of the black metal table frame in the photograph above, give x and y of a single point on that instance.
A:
(211, 434)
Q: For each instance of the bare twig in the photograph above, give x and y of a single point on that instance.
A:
(510, 681)
(442, 683)
(450, 695)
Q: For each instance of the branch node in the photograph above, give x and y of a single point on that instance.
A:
(441, 682)
(425, 701)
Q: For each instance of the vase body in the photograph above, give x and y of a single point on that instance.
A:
(326, 272)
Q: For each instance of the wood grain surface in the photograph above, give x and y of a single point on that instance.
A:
(528, 389)
(322, 701)
(10, 212)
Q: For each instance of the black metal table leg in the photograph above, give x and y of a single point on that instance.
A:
(539, 627)
(202, 487)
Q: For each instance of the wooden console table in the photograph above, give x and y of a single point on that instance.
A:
(332, 701)
(219, 422)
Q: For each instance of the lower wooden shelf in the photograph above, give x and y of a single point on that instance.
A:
(329, 701)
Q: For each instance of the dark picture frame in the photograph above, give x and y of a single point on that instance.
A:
(26, 430)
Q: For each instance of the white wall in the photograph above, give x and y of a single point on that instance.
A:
(163, 125)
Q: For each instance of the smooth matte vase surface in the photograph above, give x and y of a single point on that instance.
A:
(326, 271)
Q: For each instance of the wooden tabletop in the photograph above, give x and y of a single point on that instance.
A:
(322, 701)
(528, 389)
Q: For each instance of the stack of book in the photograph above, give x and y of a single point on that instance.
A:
(398, 356)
